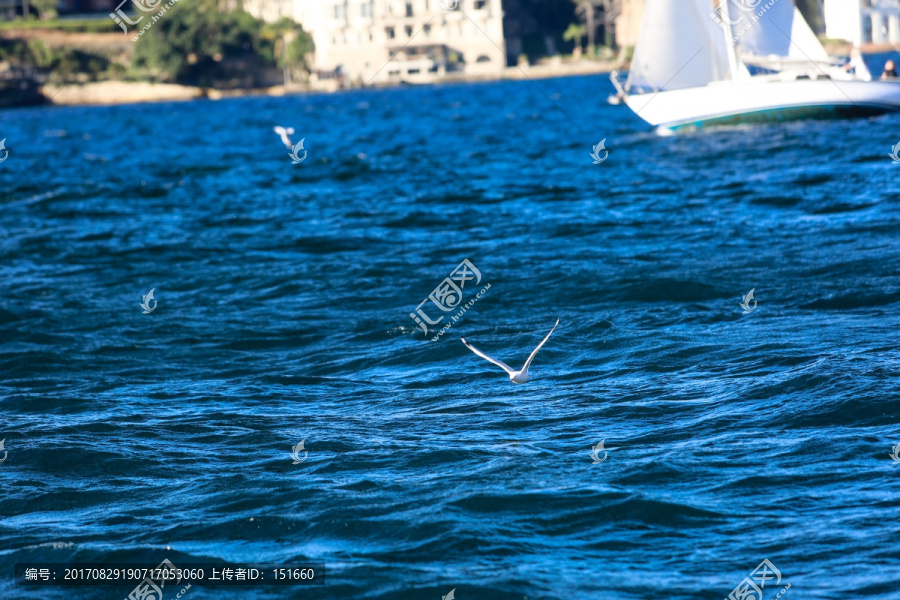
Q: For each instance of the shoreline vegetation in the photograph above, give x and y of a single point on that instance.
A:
(195, 51)
(130, 92)
(181, 51)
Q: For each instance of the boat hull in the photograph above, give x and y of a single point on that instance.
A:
(734, 103)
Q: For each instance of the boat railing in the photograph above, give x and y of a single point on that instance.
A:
(629, 88)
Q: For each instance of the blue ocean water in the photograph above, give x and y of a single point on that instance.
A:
(284, 294)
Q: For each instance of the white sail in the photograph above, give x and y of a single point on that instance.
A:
(680, 46)
(780, 32)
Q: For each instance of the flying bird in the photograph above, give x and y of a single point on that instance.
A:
(285, 134)
(520, 376)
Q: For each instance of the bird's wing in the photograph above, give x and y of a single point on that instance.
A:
(750, 295)
(450, 595)
(535, 351)
(499, 363)
(149, 296)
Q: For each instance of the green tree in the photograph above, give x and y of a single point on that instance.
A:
(195, 43)
(575, 32)
(296, 46)
(587, 10)
(46, 8)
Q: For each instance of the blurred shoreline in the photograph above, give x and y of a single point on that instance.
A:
(129, 92)
(20, 87)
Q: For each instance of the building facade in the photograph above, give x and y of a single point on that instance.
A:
(628, 22)
(863, 21)
(377, 41)
(268, 10)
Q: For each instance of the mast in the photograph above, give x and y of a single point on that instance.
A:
(729, 42)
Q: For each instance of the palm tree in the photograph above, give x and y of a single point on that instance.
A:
(575, 32)
(587, 12)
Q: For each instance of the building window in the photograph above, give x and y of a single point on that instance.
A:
(409, 10)
(340, 11)
(483, 59)
(366, 10)
(409, 31)
(479, 4)
(427, 30)
(389, 31)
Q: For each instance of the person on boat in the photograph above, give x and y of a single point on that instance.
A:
(858, 66)
(890, 70)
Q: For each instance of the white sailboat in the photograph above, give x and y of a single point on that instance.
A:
(690, 71)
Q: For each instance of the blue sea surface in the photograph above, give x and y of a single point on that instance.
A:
(284, 297)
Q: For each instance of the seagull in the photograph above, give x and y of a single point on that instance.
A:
(520, 376)
(285, 134)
